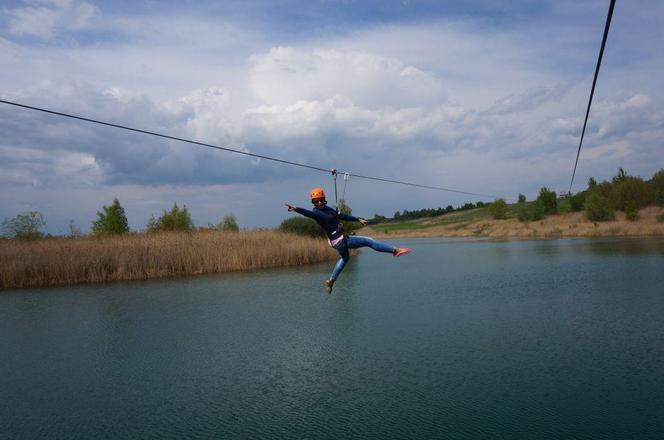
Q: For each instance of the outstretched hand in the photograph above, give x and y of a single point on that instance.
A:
(364, 221)
(290, 207)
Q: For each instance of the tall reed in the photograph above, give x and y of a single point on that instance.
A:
(57, 262)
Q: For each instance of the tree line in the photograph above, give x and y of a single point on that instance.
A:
(112, 220)
(599, 201)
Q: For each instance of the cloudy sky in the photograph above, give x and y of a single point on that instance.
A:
(483, 96)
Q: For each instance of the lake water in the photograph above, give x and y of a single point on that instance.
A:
(460, 339)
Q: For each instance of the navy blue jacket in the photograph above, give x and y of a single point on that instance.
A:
(328, 219)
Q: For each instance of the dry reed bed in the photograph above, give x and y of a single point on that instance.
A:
(58, 262)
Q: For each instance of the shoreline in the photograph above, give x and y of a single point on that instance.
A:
(89, 260)
(567, 225)
(68, 262)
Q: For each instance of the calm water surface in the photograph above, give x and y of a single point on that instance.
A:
(461, 339)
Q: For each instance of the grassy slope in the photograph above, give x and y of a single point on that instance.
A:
(478, 222)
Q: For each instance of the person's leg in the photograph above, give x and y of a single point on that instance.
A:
(357, 241)
(345, 256)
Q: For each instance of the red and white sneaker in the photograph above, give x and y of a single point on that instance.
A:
(329, 283)
(401, 251)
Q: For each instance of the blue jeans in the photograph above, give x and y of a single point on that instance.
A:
(354, 242)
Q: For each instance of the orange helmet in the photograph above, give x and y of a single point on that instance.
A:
(317, 193)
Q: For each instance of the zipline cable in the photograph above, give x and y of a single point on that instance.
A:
(165, 136)
(231, 150)
(592, 90)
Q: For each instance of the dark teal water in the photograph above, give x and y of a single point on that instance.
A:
(461, 339)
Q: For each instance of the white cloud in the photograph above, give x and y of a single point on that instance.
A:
(448, 104)
(286, 75)
(50, 17)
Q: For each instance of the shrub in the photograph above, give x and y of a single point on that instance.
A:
(25, 226)
(548, 201)
(531, 212)
(632, 190)
(377, 218)
(229, 224)
(177, 219)
(631, 213)
(577, 201)
(660, 217)
(498, 209)
(657, 181)
(605, 189)
(565, 205)
(302, 226)
(598, 207)
(659, 198)
(522, 198)
(112, 221)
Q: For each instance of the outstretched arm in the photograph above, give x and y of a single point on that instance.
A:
(306, 212)
(350, 218)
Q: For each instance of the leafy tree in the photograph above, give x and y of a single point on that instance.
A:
(577, 201)
(620, 177)
(302, 226)
(345, 209)
(657, 183)
(111, 221)
(547, 200)
(598, 207)
(498, 209)
(605, 189)
(522, 198)
(634, 191)
(659, 198)
(592, 183)
(377, 218)
(229, 224)
(177, 219)
(25, 226)
(657, 180)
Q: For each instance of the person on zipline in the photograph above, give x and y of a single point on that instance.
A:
(328, 219)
